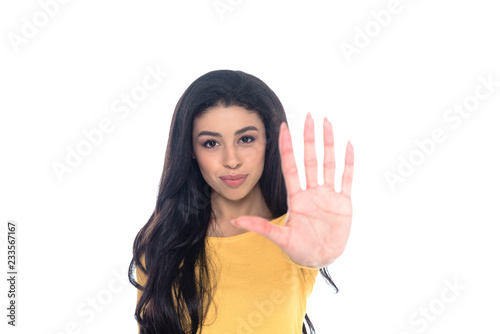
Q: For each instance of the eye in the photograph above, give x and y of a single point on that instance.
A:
(249, 139)
(209, 142)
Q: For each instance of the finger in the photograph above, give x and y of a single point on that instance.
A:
(288, 164)
(348, 170)
(329, 156)
(263, 227)
(310, 160)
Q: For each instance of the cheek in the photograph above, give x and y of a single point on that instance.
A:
(260, 151)
(205, 163)
(209, 165)
(254, 156)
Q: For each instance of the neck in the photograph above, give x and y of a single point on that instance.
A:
(251, 205)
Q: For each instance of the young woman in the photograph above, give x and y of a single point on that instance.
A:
(234, 244)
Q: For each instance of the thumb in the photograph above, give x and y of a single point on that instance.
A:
(263, 227)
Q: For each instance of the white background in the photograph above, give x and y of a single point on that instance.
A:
(75, 235)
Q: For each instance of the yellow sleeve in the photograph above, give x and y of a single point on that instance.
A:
(288, 259)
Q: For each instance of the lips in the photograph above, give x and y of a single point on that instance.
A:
(233, 177)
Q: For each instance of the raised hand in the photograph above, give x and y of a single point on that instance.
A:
(318, 221)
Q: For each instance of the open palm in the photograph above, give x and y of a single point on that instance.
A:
(318, 221)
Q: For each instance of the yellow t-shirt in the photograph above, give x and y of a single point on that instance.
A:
(259, 288)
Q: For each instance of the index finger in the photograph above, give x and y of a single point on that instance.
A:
(288, 165)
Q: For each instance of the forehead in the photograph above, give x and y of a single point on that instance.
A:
(220, 118)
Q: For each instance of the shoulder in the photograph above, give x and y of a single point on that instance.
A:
(279, 220)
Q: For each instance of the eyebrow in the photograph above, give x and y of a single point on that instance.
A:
(216, 134)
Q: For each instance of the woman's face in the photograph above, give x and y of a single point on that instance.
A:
(228, 141)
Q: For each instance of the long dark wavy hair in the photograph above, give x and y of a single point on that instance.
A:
(172, 242)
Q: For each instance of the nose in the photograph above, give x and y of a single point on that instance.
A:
(231, 158)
